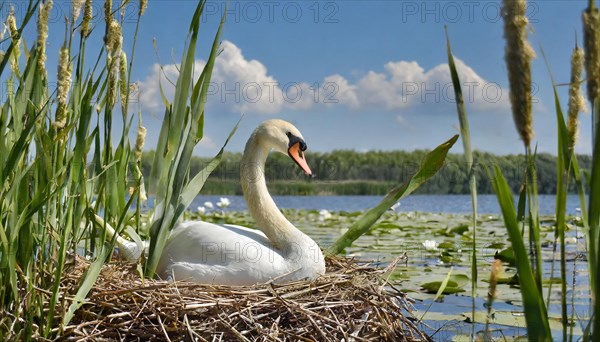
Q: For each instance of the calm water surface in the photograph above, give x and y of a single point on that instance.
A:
(433, 217)
(452, 204)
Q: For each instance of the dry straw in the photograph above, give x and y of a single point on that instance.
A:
(576, 101)
(352, 302)
(591, 41)
(518, 54)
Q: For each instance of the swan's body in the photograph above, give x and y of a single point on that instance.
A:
(233, 255)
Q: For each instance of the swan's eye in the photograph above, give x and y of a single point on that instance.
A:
(289, 134)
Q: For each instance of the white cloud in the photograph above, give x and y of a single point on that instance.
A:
(401, 120)
(207, 143)
(407, 84)
(242, 85)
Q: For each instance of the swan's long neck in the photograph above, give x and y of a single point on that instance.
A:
(263, 209)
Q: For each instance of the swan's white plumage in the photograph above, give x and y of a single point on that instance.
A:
(227, 254)
(233, 255)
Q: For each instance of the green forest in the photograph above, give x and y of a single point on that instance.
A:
(372, 173)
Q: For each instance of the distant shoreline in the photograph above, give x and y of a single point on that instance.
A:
(374, 173)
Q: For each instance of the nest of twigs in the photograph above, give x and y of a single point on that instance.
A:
(352, 302)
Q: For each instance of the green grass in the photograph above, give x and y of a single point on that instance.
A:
(49, 196)
(54, 206)
(522, 222)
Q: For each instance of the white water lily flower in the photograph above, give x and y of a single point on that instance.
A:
(571, 240)
(324, 214)
(223, 203)
(395, 206)
(208, 205)
(201, 210)
(430, 245)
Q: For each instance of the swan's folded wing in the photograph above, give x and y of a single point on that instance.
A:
(221, 254)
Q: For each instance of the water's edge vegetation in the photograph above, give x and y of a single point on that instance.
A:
(374, 173)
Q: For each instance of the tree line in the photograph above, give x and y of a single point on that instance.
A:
(348, 172)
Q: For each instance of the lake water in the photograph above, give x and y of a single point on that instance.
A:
(434, 218)
(456, 204)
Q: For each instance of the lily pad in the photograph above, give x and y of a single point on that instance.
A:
(434, 287)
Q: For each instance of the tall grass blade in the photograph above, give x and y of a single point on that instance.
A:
(29, 12)
(438, 294)
(466, 139)
(594, 215)
(538, 328)
(87, 281)
(562, 182)
(192, 189)
(430, 165)
(177, 141)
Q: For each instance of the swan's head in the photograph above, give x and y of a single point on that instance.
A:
(282, 136)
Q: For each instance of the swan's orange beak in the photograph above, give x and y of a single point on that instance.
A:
(295, 152)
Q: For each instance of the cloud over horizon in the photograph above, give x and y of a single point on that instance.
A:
(242, 85)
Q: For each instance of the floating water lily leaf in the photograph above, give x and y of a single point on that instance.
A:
(455, 284)
(506, 255)
(460, 279)
(446, 245)
(496, 245)
(509, 319)
(458, 230)
(434, 287)
(447, 258)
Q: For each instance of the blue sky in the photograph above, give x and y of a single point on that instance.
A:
(372, 74)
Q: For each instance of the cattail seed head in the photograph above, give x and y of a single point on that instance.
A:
(143, 5)
(64, 83)
(114, 37)
(576, 101)
(112, 88)
(139, 142)
(591, 42)
(108, 13)
(518, 54)
(88, 12)
(11, 22)
(114, 41)
(124, 87)
(76, 9)
(42, 37)
(494, 275)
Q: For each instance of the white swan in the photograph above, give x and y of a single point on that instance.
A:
(208, 253)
